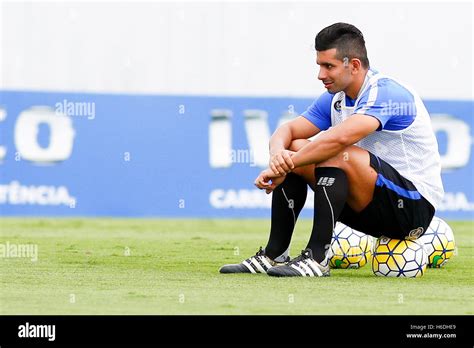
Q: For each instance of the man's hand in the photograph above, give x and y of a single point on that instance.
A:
(268, 181)
(281, 163)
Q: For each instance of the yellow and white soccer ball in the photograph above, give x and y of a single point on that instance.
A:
(349, 248)
(399, 258)
(438, 242)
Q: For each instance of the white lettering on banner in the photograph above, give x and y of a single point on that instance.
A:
(247, 199)
(258, 135)
(223, 199)
(256, 129)
(3, 149)
(220, 138)
(250, 199)
(458, 142)
(17, 194)
(60, 140)
(456, 201)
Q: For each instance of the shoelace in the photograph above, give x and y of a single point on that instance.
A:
(260, 252)
(304, 255)
(258, 257)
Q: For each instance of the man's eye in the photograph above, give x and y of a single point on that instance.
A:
(329, 66)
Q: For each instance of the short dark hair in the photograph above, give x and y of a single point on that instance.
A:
(346, 39)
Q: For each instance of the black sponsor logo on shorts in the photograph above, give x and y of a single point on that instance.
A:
(326, 181)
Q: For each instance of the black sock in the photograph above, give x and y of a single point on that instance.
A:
(287, 201)
(330, 195)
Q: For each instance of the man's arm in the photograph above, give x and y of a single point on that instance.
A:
(299, 128)
(335, 140)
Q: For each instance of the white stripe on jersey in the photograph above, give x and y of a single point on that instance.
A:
(370, 100)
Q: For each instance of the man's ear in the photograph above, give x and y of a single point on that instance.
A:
(355, 65)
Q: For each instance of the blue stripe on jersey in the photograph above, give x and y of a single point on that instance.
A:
(350, 102)
(382, 181)
(319, 113)
(394, 106)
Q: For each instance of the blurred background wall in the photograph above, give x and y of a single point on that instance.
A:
(166, 108)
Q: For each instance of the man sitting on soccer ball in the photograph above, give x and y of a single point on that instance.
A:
(376, 168)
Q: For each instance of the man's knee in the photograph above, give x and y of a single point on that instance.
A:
(343, 159)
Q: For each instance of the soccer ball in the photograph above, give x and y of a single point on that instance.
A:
(438, 242)
(399, 258)
(349, 248)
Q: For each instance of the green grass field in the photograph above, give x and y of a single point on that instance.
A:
(135, 266)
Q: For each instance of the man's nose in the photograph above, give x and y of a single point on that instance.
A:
(321, 75)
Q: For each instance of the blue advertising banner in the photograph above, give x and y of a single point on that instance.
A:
(67, 154)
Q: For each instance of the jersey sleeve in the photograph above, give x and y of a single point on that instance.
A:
(319, 112)
(387, 101)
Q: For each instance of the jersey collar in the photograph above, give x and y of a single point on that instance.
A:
(368, 76)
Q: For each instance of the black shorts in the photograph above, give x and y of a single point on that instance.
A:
(397, 209)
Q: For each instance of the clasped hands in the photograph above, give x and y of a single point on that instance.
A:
(280, 164)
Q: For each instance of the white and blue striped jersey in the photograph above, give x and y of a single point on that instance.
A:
(404, 139)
